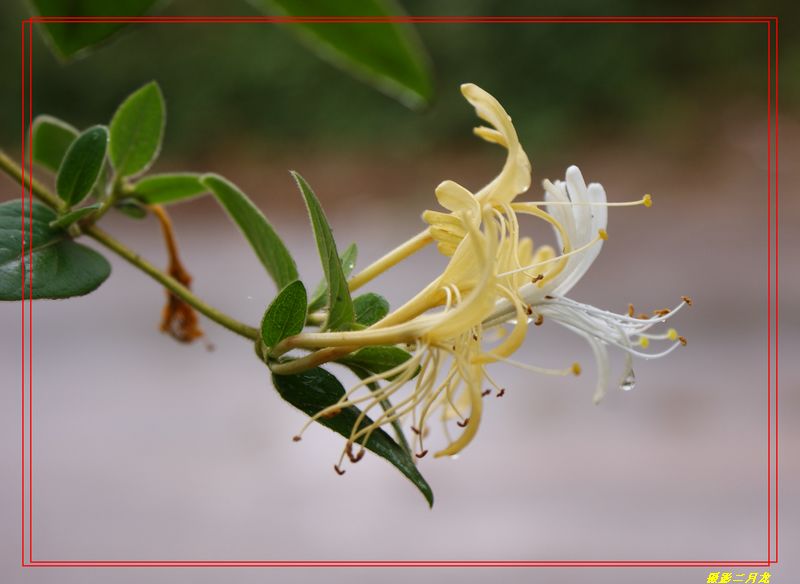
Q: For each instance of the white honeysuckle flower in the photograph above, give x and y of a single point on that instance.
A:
(494, 278)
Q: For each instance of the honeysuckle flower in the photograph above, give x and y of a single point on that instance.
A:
(494, 279)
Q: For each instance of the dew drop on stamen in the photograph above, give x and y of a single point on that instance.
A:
(628, 382)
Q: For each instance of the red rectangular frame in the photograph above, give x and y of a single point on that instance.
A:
(772, 290)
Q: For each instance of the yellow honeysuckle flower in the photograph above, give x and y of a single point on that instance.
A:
(494, 278)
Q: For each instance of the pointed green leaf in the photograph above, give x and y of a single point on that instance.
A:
(66, 220)
(70, 39)
(136, 130)
(386, 55)
(58, 268)
(340, 305)
(259, 233)
(51, 138)
(286, 316)
(81, 165)
(316, 389)
(370, 308)
(320, 295)
(376, 359)
(168, 188)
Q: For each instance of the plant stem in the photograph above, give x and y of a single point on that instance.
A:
(392, 258)
(41, 192)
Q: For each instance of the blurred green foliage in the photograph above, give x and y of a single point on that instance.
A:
(252, 82)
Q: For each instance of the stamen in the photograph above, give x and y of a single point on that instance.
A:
(682, 340)
(297, 438)
(602, 235)
(539, 320)
(687, 300)
(421, 454)
(501, 393)
(646, 200)
(537, 278)
(486, 392)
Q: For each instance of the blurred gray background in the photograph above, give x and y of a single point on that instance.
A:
(146, 449)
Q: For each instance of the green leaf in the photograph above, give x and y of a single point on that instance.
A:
(168, 188)
(386, 55)
(68, 40)
(340, 305)
(58, 268)
(286, 316)
(370, 308)
(136, 130)
(81, 165)
(316, 389)
(51, 139)
(348, 261)
(131, 207)
(376, 359)
(66, 220)
(259, 233)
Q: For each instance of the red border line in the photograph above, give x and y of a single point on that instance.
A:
(28, 150)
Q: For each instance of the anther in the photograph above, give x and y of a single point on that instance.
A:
(647, 201)
(486, 392)
(501, 393)
(463, 424)
(415, 430)
(630, 310)
(539, 320)
(576, 369)
(643, 316)
(537, 278)
(474, 337)
(603, 234)
(687, 300)
(682, 340)
(331, 414)
(421, 454)
(529, 310)
(297, 438)
(662, 312)
(338, 470)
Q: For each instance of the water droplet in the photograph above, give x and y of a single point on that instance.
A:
(628, 382)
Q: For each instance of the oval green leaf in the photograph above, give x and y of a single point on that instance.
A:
(161, 189)
(257, 230)
(59, 267)
(136, 130)
(386, 55)
(370, 308)
(376, 359)
(51, 138)
(69, 39)
(316, 389)
(286, 316)
(81, 165)
(340, 305)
